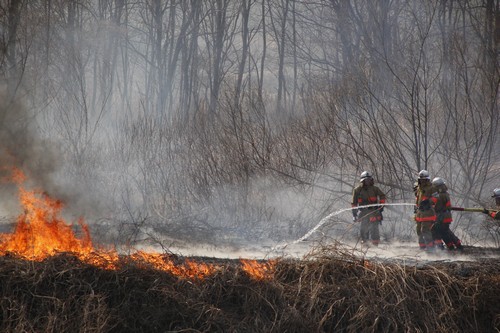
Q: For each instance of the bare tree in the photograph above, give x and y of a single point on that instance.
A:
(279, 19)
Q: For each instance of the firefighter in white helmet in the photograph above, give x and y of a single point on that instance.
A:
(494, 213)
(367, 194)
(425, 216)
(442, 207)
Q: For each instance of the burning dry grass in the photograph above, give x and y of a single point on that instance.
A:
(53, 281)
(329, 291)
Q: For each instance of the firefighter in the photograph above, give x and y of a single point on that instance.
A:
(370, 217)
(494, 213)
(442, 205)
(425, 216)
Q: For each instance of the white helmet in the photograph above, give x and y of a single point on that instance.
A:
(365, 175)
(438, 181)
(424, 174)
(496, 193)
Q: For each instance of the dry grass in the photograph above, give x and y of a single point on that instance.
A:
(331, 290)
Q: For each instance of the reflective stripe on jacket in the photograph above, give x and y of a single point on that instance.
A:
(442, 204)
(425, 213)
(368, 195)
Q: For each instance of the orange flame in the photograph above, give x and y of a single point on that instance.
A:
(258, 270)
(190, 268)
(40, 232)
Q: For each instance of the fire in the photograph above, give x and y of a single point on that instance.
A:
(40, 232)
(258, 270)
(190, 268)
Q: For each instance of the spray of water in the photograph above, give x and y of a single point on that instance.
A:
(328, 217)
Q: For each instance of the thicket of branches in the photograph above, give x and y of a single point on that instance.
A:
(192, 117)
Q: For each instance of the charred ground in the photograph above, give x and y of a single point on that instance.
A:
(329, 290)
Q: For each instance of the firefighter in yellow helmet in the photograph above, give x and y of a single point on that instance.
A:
(442, 206)
(367, 194)
(425, 216)
(494, 213)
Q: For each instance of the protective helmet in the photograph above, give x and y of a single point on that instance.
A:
(496, 193)
(424, 174)
(438, 181)
(365, 175)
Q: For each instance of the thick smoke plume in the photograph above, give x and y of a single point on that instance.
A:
(22, 148)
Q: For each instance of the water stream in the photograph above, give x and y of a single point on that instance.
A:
(327, 218)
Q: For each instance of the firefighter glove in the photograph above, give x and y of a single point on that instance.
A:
(485, 211)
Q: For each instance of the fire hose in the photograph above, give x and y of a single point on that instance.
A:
(462, 209)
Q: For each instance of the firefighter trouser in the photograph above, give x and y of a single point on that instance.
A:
(424, 232)
(369, 228)
(437, 233)
(449, 237)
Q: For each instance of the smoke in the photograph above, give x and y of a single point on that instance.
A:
(22, 148)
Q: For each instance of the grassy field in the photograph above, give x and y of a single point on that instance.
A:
(329, 290)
